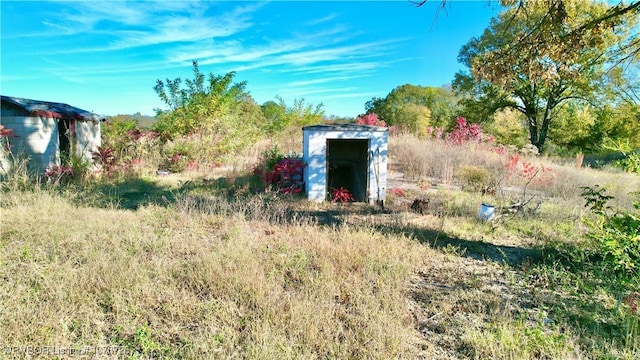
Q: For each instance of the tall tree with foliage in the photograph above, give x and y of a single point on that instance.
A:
(279, 116)
(199, 105)
(208, 116)
(415, 107)
(512, 66)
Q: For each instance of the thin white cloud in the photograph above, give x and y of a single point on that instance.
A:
(288, 89)
(343, 67)
(322, 20)
(184, 31)
(323, 80)
(302, 54)
(338, 53)
(351, 95)
(128, 25)
(178, 29)
(211, 51)
(94, 74)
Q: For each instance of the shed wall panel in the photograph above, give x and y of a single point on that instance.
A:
(38, 136)
(87, 138)
(37, 140)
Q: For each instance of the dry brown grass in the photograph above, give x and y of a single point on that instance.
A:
(206, 275)
(186, 283)
(443, 163)
(418, 158)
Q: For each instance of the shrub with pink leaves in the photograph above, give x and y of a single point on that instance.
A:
(399, 192)
(464, 132)
(341, 195)
(370, 119)
(435, 132)
(58, 174)
(283, 174)
(105, 156)
(5, 135)
(517, 166)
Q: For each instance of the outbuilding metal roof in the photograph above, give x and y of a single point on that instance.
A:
(345, 127)
(53, 109)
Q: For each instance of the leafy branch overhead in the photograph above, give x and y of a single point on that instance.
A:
(538, 56)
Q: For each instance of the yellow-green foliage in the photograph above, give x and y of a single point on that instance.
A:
(508, 128)
(475, 178)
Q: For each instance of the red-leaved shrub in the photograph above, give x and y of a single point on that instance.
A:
(285, 176)
(341, 194)
(370, 119)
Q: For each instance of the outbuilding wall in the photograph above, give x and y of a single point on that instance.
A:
(36, 138)
(315, 156)
(87, 138)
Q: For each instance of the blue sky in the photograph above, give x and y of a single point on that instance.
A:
(105, 56)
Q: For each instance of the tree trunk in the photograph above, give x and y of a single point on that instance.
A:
(533, 131)
(546, 120)
(543, 136)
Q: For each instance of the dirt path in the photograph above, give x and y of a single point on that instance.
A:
(462, 285)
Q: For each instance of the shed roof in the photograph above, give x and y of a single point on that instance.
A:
(345, 127)
(53, 109)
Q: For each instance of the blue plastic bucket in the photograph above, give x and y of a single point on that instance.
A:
(486, 212)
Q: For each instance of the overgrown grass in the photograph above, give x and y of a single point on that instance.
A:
(197, 265)
(419, 158)
(505, 338)
(183, 282)
(445, 163)
(561, 303)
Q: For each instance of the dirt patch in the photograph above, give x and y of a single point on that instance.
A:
(463, 283)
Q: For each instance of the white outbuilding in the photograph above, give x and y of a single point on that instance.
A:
(347, 156)
(47, 132)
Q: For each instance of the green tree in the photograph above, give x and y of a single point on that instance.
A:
(375, 105)
(280, 117)
(620, 122)
(573, 128)
(199, 105)
(416, 107)
(303, 114)
(274, 114)
(507, 127)
(208, 117)
(555, 12)
(249, 110)
(415, 117)
(568, 64)
(620, 119)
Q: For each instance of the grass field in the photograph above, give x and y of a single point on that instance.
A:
(195, 266)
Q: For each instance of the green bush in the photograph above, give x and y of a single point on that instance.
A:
(475, 178)
(176, 155)
(617, 240)
(615, 235)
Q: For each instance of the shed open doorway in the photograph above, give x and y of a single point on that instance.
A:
(347, 163)
(64, 138)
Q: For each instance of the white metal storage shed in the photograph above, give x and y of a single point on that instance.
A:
(346, 155)
(45, 131)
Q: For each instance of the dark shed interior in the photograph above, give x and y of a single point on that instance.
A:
(347, 163)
